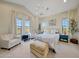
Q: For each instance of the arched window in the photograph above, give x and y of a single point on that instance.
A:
(65, 26)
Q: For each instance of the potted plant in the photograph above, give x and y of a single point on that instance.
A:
(73, 26)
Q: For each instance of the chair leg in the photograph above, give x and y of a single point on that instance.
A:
(6, 48)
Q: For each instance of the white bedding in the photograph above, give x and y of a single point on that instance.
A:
(51, 39)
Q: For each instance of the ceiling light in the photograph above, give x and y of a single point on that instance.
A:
(65, 1)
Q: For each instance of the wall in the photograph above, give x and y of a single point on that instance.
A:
(71, 14)
(7, 16)
(34, 25)
(4, 18)
(78, 16)
(8, 12)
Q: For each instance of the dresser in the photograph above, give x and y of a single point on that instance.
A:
(63, 38)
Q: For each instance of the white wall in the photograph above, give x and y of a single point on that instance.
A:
(71, 14)
(4, 18)
(35, 23)
(7, 16)
(78, 12)
(78, 16)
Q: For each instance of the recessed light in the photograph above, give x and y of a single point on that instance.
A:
(65, 1)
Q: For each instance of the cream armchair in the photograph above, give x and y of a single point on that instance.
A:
(8, 41)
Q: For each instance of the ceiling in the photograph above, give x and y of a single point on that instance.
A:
(46, 7)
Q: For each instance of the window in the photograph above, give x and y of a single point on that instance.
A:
(27, 26)
(22, 25)
(65, 26)
(45, 26)
(18, 26)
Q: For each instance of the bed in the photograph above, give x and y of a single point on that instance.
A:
(51, 39)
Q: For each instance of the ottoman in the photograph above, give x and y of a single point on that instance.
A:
(40, 49)
(73, 40)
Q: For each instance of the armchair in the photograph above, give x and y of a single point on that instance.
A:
(8, 41)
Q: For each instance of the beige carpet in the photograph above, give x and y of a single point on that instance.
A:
(64, 50)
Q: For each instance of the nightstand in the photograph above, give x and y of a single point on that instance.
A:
(63, 38)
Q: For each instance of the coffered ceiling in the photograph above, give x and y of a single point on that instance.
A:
(46, 7)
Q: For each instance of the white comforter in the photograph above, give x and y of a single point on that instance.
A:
(51, 39)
